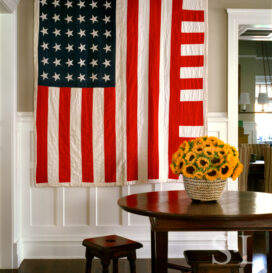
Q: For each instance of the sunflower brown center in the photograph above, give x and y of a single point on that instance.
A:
(199, 149)
(215, 160)
(190, 170)
(212, 173)
(225, 170)
(181, 164)
(203, 162)
(191, 157)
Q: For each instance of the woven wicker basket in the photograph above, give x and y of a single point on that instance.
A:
(204, 190)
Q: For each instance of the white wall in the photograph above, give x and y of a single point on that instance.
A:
(55, 220)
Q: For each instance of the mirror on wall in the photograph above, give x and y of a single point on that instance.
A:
(255, 84)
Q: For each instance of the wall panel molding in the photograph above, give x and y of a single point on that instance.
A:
(89, 212)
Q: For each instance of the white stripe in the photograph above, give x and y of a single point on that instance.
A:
(191, 131)
(75, 136)
(121, 55)
(189, 50)
(192, 95)
(192, 27)
(191, 72)
(98, 136)
(164, 96)
(193, 4)
(53, 135)
(143, 51)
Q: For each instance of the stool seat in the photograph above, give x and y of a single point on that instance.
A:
(202, 261)
(110, 247)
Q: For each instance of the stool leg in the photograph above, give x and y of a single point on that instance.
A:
(105, 264)
(131, 258)
(115, 266)
(89, 258)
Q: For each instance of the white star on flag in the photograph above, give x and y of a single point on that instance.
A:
(44, 75)
(81, 4)
(106, 77)
(56, 47)
(106, 19)
(69, 77)
(45, 61)
(44, 31)
(56, 3)
(69, 4)
(107, 5)
(81, 33)
(107, 33)
(106, 63)
(93, 4)
(81, 62)
(94, 62)
(94, 19)
(69, 32)
(69, 47)
(44, 46)
(44, 2)
(81, 77)
(43, 16)
(57, 62)
(107, 48)
(69, 62)
(57, 32)
(56, 17)
(93, 77)
(81, 18)
(69, 19)
(94, 48)
(56, 76)
(82, 47)
(94, 33)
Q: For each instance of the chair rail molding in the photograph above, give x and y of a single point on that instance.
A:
(9, 5)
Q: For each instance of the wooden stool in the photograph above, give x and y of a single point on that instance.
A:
(201, 261)
(110, 247)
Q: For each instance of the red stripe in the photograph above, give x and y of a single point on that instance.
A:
(175, 82)
(192, 38)
(41, 127)
(191, 61)
(87, 135)
(109, 135)
(192, 15)
(64, 135)
(191, 83)
(153, 96)
(132, 86)
(191, 120)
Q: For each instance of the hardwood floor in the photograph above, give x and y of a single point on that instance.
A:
(142, 265)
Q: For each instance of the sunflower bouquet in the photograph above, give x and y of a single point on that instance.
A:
(206, 158)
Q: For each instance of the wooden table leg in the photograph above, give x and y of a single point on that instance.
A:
(153, 252)
(269, 252)
(246, 249)
(161, 249)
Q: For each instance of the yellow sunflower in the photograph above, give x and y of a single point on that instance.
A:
(177, 154)
(208, 151)
(238, 170)
(198, 175)
(212, 174)
(207, 144)
(173, 168)
(213, 140)
(203, 162)
(191, 157)
(222, 151)
(198, 148)
(217, 161)
(184, 146)
(189, 170)
(225, 171)
(180, 162)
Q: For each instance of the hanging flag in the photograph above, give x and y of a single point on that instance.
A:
(119, 85)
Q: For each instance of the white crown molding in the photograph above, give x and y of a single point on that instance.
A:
(9, 5)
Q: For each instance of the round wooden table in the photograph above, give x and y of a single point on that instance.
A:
(175, 211)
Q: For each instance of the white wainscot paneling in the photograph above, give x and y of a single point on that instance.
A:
(76, 206)
(107, 211)
(55, 220)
